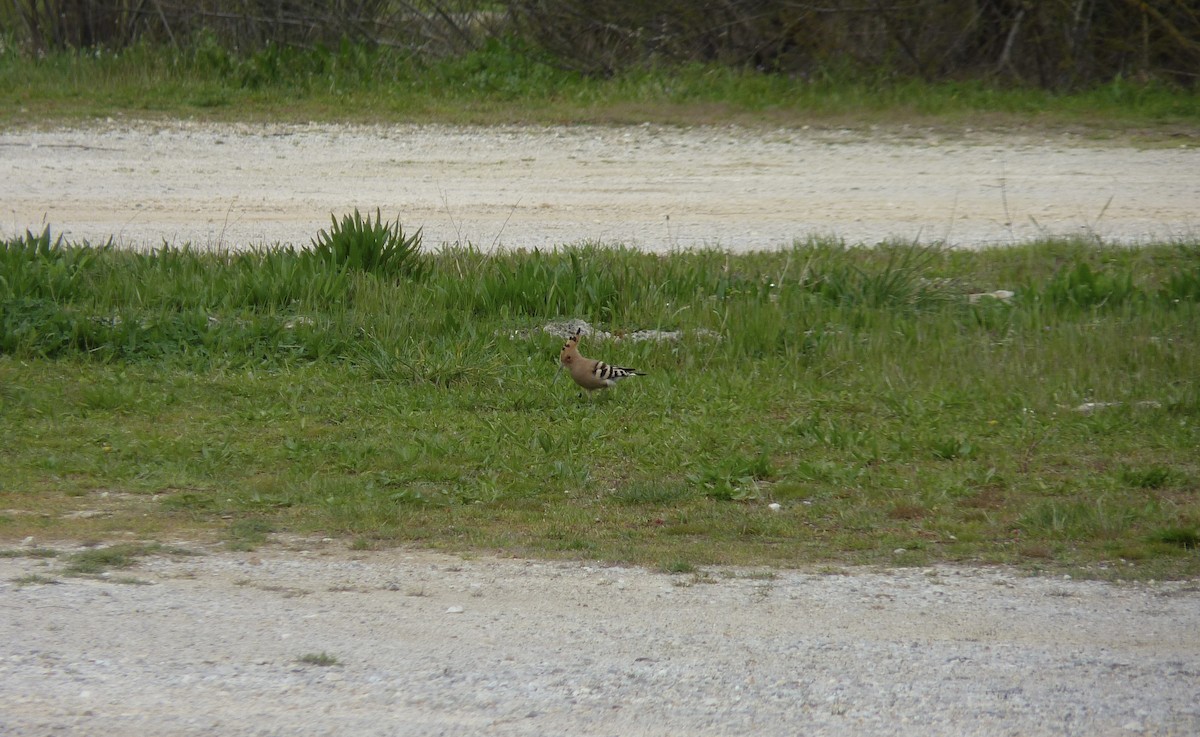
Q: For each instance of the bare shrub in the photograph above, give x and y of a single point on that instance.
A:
(440, 26)
(1054, 43)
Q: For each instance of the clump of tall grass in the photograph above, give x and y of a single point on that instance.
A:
(1081, 286)
(359, 244)
(38, 267)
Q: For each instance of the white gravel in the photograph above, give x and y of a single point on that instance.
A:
(653, 187)
(428, 644)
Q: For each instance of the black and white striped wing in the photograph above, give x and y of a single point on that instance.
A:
(612, 374)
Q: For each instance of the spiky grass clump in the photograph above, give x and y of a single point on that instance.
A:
(41, 267)
(360, 244)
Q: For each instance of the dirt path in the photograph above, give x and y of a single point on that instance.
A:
(657, 188)
(433, 645)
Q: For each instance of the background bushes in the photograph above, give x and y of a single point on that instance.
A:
(1052, 44)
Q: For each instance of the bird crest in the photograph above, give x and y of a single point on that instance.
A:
(570, 349)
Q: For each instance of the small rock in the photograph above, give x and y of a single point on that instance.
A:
(455, 610)
(568, 328)
(1001, 295)
(774, 506)
(1089, 407)
(298, 321)
(639, 335)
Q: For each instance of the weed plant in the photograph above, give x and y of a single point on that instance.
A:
(821, 404)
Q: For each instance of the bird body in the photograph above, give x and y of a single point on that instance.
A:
(588, 372)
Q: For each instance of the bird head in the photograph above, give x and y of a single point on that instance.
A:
(570, 349)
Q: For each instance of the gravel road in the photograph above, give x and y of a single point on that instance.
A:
(654, 187)
(428, 644)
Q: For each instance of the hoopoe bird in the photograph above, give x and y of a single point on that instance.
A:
(588, 372)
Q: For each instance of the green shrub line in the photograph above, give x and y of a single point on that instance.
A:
(1054, 44)
(503, 81)
(819, 403)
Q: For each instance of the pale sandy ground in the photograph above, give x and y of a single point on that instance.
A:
(435, 645)
(654, 187)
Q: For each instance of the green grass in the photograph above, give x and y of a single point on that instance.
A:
(232, 396)
(504, 82)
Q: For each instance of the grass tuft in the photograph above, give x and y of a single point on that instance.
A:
(29, 553)
(1184, 537)
(321, 659)
(247, 534)
(679, 567)
(35, 579)
(99, 560)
